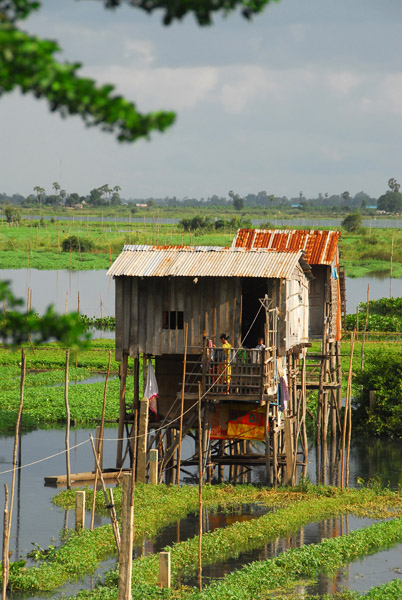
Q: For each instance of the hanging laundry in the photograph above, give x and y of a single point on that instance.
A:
(283, 394)
(151, 389)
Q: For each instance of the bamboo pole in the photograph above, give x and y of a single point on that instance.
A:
(67, 421)
(352, 342)
(100, 441)
(122, 410)
(6, 542)
(349, 402)
(365, 329)
(8, 516)
(200, 490)
(17, 432)
(390, 269)
(109, 501)
(127, 538)
(182, 406)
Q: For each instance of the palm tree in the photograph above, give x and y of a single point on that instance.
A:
(40, 192)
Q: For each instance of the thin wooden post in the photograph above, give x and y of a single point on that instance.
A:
(6, 538)
(67, 420)
(122, 411)
(288, 449)
(153, 466)
(182, 406)
(142, 441)
(201, 476)
(99, 443)
(78, 303)
(127, 538)
(268, 469)
(17, 435)
(109, 501)
(365, 329)
(164, 569)
(390, 267)
(345, 416)
(6, 542)
(79, 510)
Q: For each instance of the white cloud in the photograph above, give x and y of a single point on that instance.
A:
(343, 82)
(244, 85)
(392, 92)
(142, 51)
(157, 88)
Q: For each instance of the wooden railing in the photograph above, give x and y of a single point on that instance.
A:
(236, 372)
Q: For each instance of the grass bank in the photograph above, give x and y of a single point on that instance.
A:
(39, 244)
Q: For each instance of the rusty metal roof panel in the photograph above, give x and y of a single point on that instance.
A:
(320, 247)
(203, 261)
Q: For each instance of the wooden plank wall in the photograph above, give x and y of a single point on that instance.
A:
(208, 304)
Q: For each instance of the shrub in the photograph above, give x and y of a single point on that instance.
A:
(76, 244)
(383, 375)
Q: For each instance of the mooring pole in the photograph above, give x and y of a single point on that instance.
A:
(182, 406)
(127, 538)
(67, 421)
(201, 476)
(6, 538)
(108, 501)
(100, 443)
(352, 341)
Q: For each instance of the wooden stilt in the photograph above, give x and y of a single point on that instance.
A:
(142, 441)
(200, 480)
(122, 412)
(153, 466)
(79, 510)
(127, 539)
(182, 406)
(268, 470)
(99, 443)
(346, 413)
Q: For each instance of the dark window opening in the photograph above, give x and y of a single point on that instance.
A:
(172, 319)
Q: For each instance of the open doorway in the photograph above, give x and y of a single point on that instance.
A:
(252, 290)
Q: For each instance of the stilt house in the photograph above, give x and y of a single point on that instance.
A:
(173, 304)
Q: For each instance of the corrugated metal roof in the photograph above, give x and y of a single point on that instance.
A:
(204, 261)
(320, 247)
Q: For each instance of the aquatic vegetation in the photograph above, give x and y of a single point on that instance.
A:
(256, 579)
(157, 506)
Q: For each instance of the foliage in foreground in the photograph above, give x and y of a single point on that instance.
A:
(382, 374)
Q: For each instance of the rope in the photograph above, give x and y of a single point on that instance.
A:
(155, 431)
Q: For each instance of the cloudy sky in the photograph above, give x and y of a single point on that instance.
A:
(308, 96)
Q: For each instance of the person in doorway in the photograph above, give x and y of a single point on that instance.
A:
(257, 356)
(260, 344)
(226, 368)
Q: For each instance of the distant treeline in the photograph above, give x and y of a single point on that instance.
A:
(103, 197)
(106, 196)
